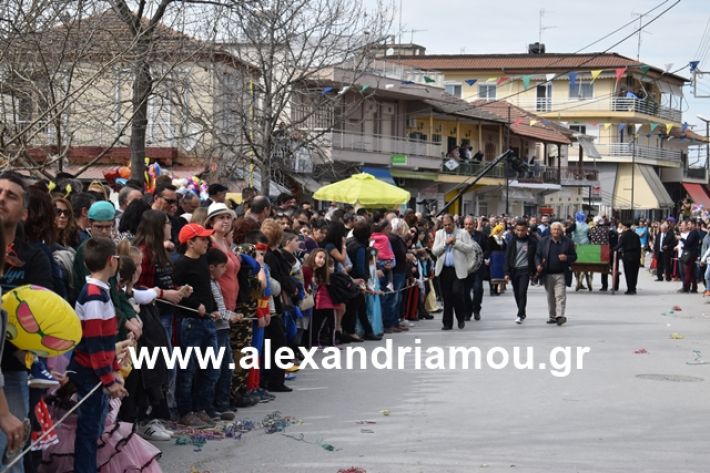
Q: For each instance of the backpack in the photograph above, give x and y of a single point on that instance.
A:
(62, 270)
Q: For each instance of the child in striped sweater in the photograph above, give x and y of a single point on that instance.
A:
(94, 359)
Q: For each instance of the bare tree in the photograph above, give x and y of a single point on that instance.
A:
(295, 45)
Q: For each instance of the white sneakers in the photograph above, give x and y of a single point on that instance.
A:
(154, 430)
(519, 320)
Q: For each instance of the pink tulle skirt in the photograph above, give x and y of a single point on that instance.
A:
(121, 450)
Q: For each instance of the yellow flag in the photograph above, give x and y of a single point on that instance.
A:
(669, 127)
(491, 79)
(595, 74)
(607, 125)
(533, 122)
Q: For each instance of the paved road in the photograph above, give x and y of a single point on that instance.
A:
(603, 418)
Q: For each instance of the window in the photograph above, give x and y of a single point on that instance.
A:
(436, 139)
(453, 89)
(581, 90)
(579, 129)
(487, 91)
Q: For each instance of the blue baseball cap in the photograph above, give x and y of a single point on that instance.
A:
(102, 211)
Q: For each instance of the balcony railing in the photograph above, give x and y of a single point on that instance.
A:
(471, 169)
(384, 144)
(606, 104)
(695, 173)
(626, 150)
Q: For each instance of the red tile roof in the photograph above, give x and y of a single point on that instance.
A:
(544, 130)
(524, 63)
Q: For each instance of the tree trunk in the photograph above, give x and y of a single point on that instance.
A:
(142, 85)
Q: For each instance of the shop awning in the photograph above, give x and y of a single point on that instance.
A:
(307, 183)
(382, 174)
(698, 194)
(648, 190)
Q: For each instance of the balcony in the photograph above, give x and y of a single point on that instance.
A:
(695, 173)
(625, 151)
(384, 144)
(471, 169)
(378, 149)
(592, 107)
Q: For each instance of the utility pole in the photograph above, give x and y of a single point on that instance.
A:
(507, 166)
(633, 173)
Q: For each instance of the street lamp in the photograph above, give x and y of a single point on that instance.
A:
(707, 142)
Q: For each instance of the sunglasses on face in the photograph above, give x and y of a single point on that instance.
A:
(61, 212)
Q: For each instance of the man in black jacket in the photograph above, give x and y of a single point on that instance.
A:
(553, 259)
(691, 252)
(474, 281)
(663, 247)
(629, 247)
(520, 266)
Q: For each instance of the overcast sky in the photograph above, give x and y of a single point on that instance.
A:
(507, 26)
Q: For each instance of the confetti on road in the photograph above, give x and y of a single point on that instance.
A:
(385, 412)
(352, 469)
(677, 336)
(640, 351)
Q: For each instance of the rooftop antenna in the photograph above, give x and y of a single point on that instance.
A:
(541, 26)
(638, 48)
(411, 34)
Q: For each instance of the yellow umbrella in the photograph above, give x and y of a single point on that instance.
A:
(365, 190)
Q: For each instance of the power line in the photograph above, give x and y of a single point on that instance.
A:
(586, 61)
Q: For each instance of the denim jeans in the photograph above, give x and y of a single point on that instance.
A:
(89, 425)
(18, 400)
(166, 319)
(707, 277)
(224, 382)
(399, 280)
(194, 388)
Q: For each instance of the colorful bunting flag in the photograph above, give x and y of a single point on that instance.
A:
(326, 90)
(526, 81)
(693, 65)
(572, 77)
(407, 82)
(638, 126)
(596, 73)
(502, 80)
(668, 66)
(470, 82)
(546, 122)
(533, 122)
(389, 86)
(364, 88)
(669, 127)
(684, 127)
(645, 68)
(606, 126)
(428, 80)
(491, 79)
(549, 77)
(619, 72)
(518, 121)
(343, 90)
(652, 127)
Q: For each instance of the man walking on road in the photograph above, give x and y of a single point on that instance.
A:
(474, 281)
(553, 258)
(452, 248)
(629, 247)
(663, 247)
(520, 266)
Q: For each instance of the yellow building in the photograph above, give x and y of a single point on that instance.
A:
(630, 110)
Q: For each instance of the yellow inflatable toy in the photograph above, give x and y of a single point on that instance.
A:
(40, 321)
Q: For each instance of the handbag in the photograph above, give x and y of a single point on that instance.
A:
(308, 302)
(684, 257)
(342, 288)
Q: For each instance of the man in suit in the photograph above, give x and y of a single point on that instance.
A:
(553, 259)
(629, 247)
(663, 248)
(474, 281)
(452, 248)
(520, 266)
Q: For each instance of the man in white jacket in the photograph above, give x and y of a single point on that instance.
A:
(452, 248)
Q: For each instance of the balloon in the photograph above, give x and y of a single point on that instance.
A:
(124, 172)
(40, 321)
(156, 168)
